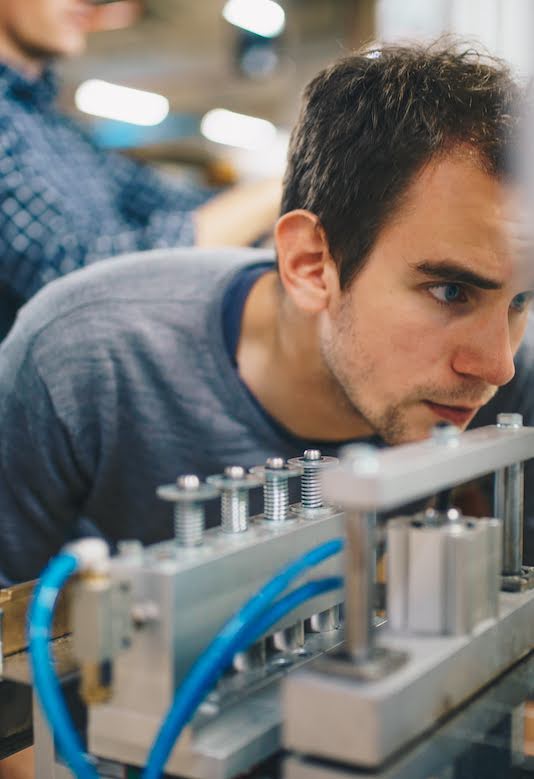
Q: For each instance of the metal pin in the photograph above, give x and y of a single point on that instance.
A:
(508, 504)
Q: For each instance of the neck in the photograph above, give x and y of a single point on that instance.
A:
(279, 359)
(14, 55)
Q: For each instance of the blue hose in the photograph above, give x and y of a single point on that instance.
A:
(254, 618)
(212, 664)
(41, 612)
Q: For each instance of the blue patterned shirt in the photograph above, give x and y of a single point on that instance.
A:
(65, 202)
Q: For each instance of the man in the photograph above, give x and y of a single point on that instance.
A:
(394, 306)
(64, 202)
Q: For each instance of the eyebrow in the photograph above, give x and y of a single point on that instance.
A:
(447, 270)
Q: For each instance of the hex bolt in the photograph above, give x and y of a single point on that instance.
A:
(188, 496)
(311, 493)
(234, 484)
(508, 504)
(276, 474)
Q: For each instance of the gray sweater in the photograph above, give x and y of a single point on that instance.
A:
(115, 380)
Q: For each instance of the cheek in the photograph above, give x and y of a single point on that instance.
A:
(407, 335)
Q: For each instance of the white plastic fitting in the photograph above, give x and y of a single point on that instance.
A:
(92, 554)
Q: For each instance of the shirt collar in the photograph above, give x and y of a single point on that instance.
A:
(40, 91)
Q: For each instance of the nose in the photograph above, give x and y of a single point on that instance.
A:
(486, 351)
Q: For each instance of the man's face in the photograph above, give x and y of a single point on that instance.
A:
(428, 329)
(44, 28)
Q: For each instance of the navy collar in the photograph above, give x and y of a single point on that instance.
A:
(41, 91)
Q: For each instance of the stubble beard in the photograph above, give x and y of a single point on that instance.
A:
(348, 371)
(351, 371)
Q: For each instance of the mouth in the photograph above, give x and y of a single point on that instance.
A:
(458, 415)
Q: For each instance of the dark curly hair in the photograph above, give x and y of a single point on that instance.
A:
(370, 122)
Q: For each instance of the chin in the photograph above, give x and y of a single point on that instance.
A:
(407, 432)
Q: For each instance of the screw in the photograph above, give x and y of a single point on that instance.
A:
(311, 494)
(445, 434)
(234, 484)
(276, 474)
(510, 420)
(188, 495)
(360, 458)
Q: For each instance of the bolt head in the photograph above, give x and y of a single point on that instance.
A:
(312, 454)
(454, 515)
(275, 463)
(189, 482)
(236, 472)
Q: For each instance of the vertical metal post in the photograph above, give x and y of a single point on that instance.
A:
(508, 504)
(360, 563)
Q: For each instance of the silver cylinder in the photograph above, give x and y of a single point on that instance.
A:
(234, 510)
(397, 560)
(460, 593)
(360, 564)
(188, 523)
(427, 579)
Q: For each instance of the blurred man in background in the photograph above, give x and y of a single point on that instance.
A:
(64, 202)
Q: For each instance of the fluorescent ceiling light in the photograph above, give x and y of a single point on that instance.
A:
(245, 132)
(112, 101)
(263, 17)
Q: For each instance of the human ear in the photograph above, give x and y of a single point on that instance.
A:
(306, 267)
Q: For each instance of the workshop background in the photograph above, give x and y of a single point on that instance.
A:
(196, 56)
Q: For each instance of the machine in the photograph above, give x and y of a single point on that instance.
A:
(345, 682)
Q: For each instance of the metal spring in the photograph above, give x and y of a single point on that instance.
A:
(234, 511)
(310, 488)
(275, 498)
(188, 523)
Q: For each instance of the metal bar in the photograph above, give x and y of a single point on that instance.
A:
(508, 498)
(412, 471)
(359, 582)
(508, 506)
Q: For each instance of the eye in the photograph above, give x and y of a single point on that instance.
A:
(448, 293)
(522, 301)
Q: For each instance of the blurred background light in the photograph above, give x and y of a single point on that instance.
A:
(262, 17)
(232, 129)
(256, 56)
(111, 101)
